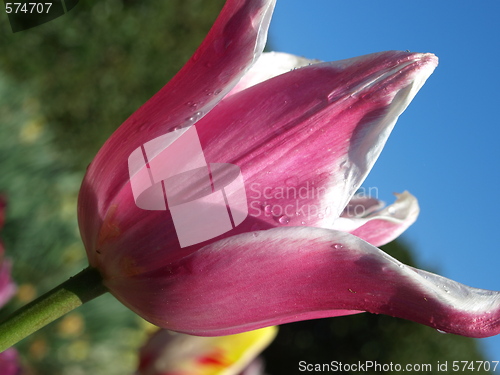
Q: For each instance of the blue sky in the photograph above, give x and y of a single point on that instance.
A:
(444, 148)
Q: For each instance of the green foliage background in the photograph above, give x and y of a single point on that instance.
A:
(64, 87)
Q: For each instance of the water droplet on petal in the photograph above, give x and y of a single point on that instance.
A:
(337, 246)
(401, 265)
(441, 331)
(267, 208)
(255, 234)
(283, 219)
(178, 127)
(217, 91)
(333, 96)
(195, 117)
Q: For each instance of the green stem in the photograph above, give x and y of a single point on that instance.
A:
(79, 289)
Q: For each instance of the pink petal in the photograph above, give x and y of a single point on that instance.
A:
(289, 274)
(3, 204)
(234, 42)
(306, 140)
(364, 218)
(10, 362)
(269, 65)
(7, 286)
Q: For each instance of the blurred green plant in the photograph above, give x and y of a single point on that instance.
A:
(93, 67)
(41, 237)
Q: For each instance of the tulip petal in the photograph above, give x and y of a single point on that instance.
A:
(176, 353)
(288, 274)
(3, 204)
(364, 218)
(7, 286)
(235, 41)
(269, 65)
(306, 140)
(10, 362)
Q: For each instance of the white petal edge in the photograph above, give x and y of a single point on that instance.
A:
(269, 65)
(404, 209)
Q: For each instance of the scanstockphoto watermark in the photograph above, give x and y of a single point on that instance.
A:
(294, 200)
(362, 367)
(374, 366)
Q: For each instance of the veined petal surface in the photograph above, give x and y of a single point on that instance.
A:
(283, 275)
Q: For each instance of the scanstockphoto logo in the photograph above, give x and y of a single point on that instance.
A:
(285, 202)
(307, 202)
(209, 199)
(25, 15)
(170, 172)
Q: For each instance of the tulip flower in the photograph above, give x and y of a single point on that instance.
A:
(304, 141)
(297, 145)
(168, 352)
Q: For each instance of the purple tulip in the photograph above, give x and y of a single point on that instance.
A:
(304, 142)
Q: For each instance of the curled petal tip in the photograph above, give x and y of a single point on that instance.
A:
(430, 58)
(366, 218)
